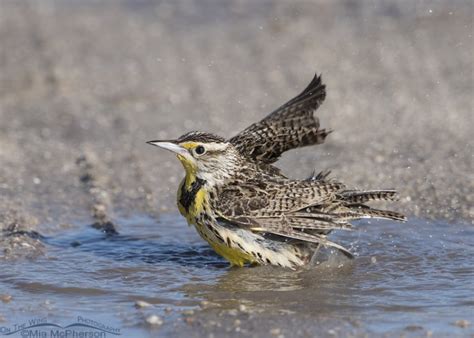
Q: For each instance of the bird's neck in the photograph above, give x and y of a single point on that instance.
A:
(189, 190)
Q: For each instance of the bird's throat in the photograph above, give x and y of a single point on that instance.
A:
(189, 192)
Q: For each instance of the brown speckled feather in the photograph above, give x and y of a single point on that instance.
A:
(293, 125)
(271, 196)
(301, 210)
(247, 209)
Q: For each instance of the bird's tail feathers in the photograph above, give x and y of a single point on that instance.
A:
(356, 196)
(350, 205)
(368, 212)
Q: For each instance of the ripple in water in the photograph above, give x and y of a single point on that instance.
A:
(418, 274)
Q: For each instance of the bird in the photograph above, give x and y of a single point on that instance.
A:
(250, 212)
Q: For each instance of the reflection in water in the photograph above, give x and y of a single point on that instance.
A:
(271, 288)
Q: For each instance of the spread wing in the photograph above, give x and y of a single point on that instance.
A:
(290, 126)
(300, 210)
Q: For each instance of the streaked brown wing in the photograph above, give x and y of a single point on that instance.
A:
(280, 210)
(293, 125)
(260, 198)
(300, 210)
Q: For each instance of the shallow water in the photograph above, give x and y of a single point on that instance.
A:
(412, 278)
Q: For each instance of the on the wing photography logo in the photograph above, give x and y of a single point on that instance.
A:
(42, 328)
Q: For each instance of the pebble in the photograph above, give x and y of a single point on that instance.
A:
(154, 320)
(6, 298)
(141, 304)
(462, 323)
(275, 332)
(189, 320)
(188, 312)
(242, 308)
(232, 312)
(207, 305)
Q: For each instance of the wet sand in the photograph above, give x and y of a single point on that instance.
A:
(84, 84)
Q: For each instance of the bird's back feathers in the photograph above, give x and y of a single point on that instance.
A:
(304, 210)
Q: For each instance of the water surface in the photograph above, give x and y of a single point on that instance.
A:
(415, 278)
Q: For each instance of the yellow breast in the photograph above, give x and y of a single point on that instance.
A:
(192, 213)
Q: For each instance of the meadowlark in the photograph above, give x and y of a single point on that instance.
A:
(247, 209)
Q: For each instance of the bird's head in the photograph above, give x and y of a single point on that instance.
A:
(203, 155)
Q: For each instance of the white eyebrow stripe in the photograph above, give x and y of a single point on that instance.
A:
(215, 146)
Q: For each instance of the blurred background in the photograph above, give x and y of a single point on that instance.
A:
(84, 84)
(99, 78)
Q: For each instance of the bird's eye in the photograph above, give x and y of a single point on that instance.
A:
(200, 150)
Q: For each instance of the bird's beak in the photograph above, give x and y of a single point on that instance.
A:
(171, 146)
